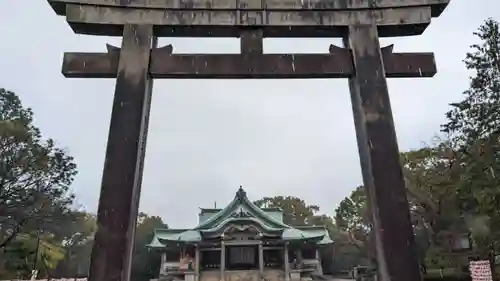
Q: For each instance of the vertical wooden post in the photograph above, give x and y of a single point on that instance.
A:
(251, 42)
(197, 262)
(319, 266)
(222, 260)
(163, 261)
(379, 156)
(261, 260)
(287, 263)
(298, 255)
(123, 165)
(251, 47)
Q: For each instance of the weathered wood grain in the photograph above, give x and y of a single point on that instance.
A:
(251, 42)
(437, 5)
(99, 20)
(380, 162)
(121, 16)
(122, 175)
(164, 64)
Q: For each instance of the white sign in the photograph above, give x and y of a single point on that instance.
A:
(480, 271)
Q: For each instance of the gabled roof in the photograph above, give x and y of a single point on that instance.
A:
(207, 213)
(216, 210)
(241, 212)
(243, 206)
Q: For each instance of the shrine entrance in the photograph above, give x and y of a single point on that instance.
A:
(361, 60)
(242, 257)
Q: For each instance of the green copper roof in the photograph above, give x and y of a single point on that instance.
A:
(249, 220)
(207, 213)
(240, 212)
(163, 236)
(315, 231)
(241, 205)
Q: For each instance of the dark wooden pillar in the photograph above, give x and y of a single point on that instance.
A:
(222, 260)
(287, 262)
(122, 175)
(379, 156)
(197, 264)
(251, 42)
(261, 260)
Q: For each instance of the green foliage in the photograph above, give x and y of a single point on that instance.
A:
(431, 175)
(474, 127)
(477, 116)
(352, 217)
(352, 214)
(35, 202)
(295, 210)
(146, 262)
(474, 124)
(28, 252)
(34, 174)
(78, 240)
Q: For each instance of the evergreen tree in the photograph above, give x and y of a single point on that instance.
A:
(474, 127)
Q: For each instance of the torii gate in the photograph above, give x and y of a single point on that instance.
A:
(362, 61)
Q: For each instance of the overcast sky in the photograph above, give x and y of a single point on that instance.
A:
(207, 137)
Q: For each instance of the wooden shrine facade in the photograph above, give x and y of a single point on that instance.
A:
(241, 237)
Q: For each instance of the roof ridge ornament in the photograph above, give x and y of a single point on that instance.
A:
(241, 194)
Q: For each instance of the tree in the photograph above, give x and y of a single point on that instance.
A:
(477, 116)
(34, 174)
(474, 127)
(145, 262)
(296, 212)
(77, 240)
(431, 175)
(28, 252)
(352, 217)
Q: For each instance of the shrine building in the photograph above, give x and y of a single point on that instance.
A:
(240, 242)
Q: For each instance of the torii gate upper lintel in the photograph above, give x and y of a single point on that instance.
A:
(276, 18)
(362, 61)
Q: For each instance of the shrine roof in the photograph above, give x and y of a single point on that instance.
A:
(315, 231)
(241, 214)
(207, 213)
(241, 207)
(216, 210)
